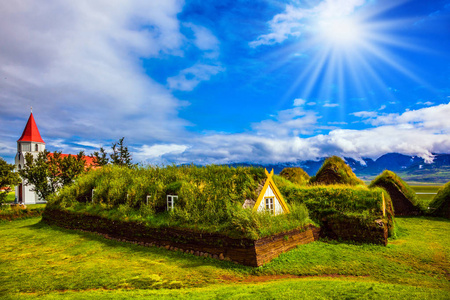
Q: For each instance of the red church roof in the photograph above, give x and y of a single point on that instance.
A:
(31, 132)
(89, 160)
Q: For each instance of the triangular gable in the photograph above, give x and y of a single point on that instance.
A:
(270, 183)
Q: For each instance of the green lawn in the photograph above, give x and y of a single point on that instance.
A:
(68, 264)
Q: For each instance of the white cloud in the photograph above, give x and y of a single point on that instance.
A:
(156, 153)
(204, 40)
(337, 123)
(206, 67)
(189, 78)
(330, 105)
(427, 103)
(365, 114)
(416, 132)
(77, 63)
(289, 122)
(299, 102)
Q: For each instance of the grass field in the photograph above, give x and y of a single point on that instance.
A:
(50, 262)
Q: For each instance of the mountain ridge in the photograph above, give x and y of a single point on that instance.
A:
(410, 168)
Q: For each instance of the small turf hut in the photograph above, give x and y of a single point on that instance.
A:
(335, 171)
(269, 197)
(440, 206)
(295, 175)
(403, 198)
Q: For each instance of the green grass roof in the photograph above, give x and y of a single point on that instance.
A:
(440, 205)
(335, 171)
(295, 175)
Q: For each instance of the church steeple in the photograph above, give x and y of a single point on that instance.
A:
(31, 132)
(29, 143)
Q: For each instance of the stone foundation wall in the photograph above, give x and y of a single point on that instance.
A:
(243, 251)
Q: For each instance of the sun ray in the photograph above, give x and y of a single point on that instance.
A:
(347, 51)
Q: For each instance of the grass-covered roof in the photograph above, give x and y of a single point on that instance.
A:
(335, 171)
(296, 175)
(209, 197)
(440, 206)
(345, 201)
(403, 197)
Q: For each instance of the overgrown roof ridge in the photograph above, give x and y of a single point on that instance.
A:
(335, 171)
(390, 177)
(403, 197)
(296, 175)
(440, 206)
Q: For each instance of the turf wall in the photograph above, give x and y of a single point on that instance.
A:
(243, 251)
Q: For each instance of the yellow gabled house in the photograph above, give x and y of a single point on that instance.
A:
(269, 198)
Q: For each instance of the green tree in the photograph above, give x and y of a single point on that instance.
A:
(100, 157)
(47, 172)
(120, 155)
(7, 177)
(36, 172)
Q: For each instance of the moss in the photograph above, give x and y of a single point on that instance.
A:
(335, 171)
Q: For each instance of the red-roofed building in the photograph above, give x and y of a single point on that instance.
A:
(89, 160)
(32, 142)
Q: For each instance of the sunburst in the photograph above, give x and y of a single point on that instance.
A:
(347, 49)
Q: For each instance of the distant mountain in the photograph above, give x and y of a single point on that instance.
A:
(409, 168)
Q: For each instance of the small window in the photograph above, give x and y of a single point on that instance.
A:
(269, 205)
(20, 167)
(36, 147)
(171, 201)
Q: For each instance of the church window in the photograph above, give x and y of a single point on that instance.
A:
(36, 147)
(26, 147)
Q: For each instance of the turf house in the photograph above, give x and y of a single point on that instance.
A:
(243, 214)
(440, 206)
(403, 198)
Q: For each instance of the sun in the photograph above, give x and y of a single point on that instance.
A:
(340, 33)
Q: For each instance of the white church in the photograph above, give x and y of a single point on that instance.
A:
(29, 142)
(32, 142)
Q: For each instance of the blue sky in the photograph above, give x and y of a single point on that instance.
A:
(228, 81)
